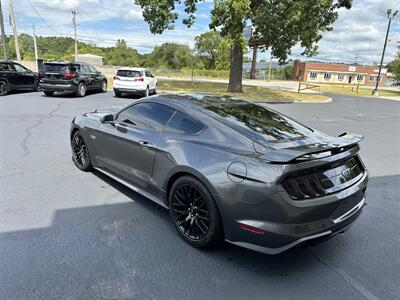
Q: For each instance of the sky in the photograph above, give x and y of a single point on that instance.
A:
(358, 34)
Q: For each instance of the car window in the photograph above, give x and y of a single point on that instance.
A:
(129, 73)
(180, 123)
(147, 73)
(74, 68)
(5, 67)
(20, 68)
(146, 114)
(86, 69)
(55, 68)
(92, 69)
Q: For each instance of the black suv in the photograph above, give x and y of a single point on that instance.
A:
(14, 76)
(71, 77)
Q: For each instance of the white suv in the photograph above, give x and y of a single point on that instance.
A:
(134, 81)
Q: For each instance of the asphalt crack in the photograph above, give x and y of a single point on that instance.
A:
(39, 122)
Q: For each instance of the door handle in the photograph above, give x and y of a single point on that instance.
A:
(146, 144)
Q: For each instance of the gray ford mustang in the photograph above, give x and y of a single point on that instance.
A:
(227, 169)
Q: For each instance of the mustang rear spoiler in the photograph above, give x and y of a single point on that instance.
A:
(323, 149)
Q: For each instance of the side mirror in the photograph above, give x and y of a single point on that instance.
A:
(107, 118)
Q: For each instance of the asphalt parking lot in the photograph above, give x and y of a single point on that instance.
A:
(66, 234)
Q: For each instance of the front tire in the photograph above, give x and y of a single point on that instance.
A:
(37, 87)
(81, 90)
(104, 86)
(194, 212)
(3, 88)
(48, 93)
(80, 152)
(117, 93)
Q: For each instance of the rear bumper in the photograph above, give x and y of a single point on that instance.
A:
(305, 223)
(129, 90)
(58, 87)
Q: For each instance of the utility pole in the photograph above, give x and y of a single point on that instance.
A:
(14, 27)
(3, 35)
(390, 17)
(254, 62)
(35, 45)
(74, 22)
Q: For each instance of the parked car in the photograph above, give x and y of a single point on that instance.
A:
(73, 77)
(14, 76)
(134, 81)
(227, 169)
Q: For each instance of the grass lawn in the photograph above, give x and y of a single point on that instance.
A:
(257, 94)
(339, 89)
(253, 93)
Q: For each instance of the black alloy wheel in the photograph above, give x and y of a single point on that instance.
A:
(3, 88)
(80, 152)
(194, 212)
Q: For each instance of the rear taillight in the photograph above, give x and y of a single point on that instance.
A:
(139, 79)
(116, 78)
(69, 75)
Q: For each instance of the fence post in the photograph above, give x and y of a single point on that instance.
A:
(298, 90)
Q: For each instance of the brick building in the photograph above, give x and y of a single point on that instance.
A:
(336, 73)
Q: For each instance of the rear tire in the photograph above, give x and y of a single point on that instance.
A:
(80, 153)
(155, 92)
(117, 93)
(195, 213)
(48, 93)
(81, 92)
(146, 92)
(3, 88)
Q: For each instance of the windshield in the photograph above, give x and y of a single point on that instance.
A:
(255, 121)
(129, 73)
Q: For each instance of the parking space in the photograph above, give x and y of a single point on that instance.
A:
(66, 234)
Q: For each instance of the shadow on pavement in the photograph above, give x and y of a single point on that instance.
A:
(131, 249)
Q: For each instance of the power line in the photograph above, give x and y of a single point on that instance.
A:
(44, 21)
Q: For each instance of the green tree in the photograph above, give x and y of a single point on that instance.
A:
(223, 55)
(280, 24)
(171, 55)
(206, 46)
(122, 55)
(394, 66)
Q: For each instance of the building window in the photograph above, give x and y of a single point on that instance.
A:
(313, 75)
(340, 77)
(327, 76)
(360, 77)
(374, 78)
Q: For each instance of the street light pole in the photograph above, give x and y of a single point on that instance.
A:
(390, 17)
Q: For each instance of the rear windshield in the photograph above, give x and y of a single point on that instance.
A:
(129, 73)
(60, 68)
(257, 122)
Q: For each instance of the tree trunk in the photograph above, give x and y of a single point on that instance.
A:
(235, 74)
(253, 64)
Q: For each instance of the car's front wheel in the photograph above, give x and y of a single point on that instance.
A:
(194, 212)
(80, 152)
(36, 86)
(81, 90)
(104, 86)
(147, 92)
(48, 93)
(3, 88)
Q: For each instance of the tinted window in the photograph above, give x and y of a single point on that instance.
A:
(86, 69)
(55, 68)
(129, 73)
(151, 115)
(5, 67)
(147, 73)
(181, 123)
(258, 122)
(20, 68)
(92, 69)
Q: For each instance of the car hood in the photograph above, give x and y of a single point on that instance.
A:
(100, 112)
(317, 146)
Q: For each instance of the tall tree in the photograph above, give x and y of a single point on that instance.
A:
(280, 24)
(206, 46)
